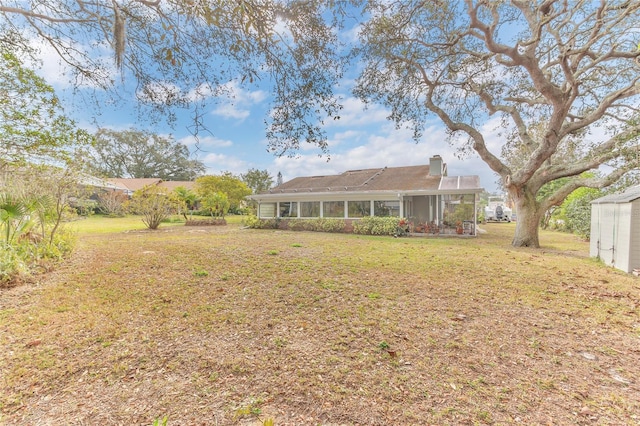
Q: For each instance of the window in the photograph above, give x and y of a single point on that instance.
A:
(458, 208)
(333, 209)
(267, 210)
(386, 208)
(289, 209)
(359, 208)
(310, 209)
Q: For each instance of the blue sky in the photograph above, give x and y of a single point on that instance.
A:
(362, 138)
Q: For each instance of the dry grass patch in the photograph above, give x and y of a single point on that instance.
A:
(223, 325)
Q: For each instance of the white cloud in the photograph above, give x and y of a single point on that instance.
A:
(352, 35)
(204, 143)
(203, 91)
(349, 136)
(356, 114)
(229, 110)
(218, 163)
(235, 102)
(390, 147)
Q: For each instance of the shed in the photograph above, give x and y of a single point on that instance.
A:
(615, 229)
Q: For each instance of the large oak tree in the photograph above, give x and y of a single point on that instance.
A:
(138, 154)
(560, 78)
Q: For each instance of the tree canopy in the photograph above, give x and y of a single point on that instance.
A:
(183, 53)
(139, 154)
(257, 180)
(559, 81)
(33, 126)
(227, 184)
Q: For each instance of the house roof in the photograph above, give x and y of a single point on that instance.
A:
(631, 194)
(173, 184)
(405, 179)
(135, 184)
(100, 183)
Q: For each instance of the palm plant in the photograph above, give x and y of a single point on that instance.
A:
(14, 216)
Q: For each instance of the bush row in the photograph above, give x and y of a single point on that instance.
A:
(376, 226)
(364, 226)
(317, 225)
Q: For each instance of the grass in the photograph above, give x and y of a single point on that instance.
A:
(207, 325)
(99, 224)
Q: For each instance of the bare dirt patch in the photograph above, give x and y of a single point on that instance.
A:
(233, 326)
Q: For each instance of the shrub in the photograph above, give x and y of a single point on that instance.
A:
(255, 222)
(577, 211)
(154, 204)
(12, 265)
(206, 222)
(316, 225)
(303, 224)
(27, 256)
(331, 225)
(217, 204)
(296, 224)
(376, 225)
(112, 203)
(250, 221)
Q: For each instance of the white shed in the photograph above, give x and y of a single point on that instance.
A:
(615, 229)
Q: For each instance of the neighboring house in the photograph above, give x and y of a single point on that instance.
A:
(424, 194)
(99, 183)
(134, 184)
(615, 229)
(173, 184)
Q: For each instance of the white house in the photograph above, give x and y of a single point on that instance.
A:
(424, 194)
(615, 229)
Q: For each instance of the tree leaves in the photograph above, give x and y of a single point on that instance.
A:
(139, 154)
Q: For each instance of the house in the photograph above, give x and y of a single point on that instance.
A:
(171, 185)
(97, 184)
(424, 194)
(615, 229)
(134, 184)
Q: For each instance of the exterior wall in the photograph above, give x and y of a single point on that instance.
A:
(611, 230)
(419, 209)
(602, 230)
(622, 250)
(422, 209)
(634, 249)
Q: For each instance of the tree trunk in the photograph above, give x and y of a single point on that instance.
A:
(527, 222)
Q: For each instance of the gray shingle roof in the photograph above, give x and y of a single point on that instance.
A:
(409, 178)
(631, 194)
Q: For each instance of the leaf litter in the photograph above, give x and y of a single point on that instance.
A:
(474, 332)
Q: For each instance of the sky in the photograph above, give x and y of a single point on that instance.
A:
(362, 138)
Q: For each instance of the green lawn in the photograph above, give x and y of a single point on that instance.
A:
(98, 224)
(225, 325)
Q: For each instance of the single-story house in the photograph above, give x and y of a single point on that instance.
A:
(424, 194)
(134, 184)
(102, 184)
(171, 185)
(615, 229)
